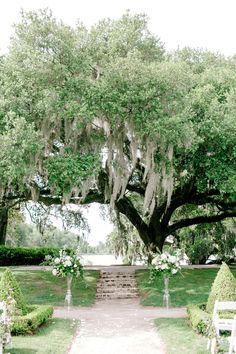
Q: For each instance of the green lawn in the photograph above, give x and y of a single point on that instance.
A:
(179, 338)
(190, 287)
(41, 287)
(53, 338)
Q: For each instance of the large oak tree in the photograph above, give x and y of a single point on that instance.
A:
(106, 115)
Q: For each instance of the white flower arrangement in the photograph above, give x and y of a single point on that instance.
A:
(67, 263)
(165, 264)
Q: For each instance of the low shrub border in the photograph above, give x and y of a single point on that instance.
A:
(200, 320)
(28, 323)
(13, 256)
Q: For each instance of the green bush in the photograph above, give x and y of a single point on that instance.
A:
(199, 251)
(223, 288)
(28, 323)
(199, 319)
(10, 287)
(13, 256)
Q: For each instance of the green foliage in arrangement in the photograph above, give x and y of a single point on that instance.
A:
(12, 256)
(10, 287)
(36, 316)
(223, 288)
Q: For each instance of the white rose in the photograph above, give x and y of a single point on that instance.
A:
(54, 271)
(172, 259)
(67, 263)
(164, 266)
(57, 260)
(75, 265)
(174, 271)
(163, 256)
(155, 260)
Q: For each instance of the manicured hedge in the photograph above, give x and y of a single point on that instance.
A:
(223, 288)
(28, 323)
(200, 320)
(12, 256)
(10, 287)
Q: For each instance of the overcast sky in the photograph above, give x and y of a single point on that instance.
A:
(208, 24)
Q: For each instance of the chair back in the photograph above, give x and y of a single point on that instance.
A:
(225, 305)
(232, 342)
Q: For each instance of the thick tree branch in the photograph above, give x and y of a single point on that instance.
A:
(92, 197)
(126, 207)
(203, 219)
(136, 188)
(182, 196)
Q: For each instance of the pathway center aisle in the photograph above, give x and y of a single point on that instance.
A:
(118, 327)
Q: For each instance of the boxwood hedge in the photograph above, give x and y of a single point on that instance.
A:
(35, 317)
(13, 256)
(200, 320)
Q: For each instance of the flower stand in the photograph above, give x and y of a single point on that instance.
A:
(68, 298)
(166, 295)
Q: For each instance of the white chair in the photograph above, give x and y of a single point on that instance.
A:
(219, 322)
(232, 340)
(2, 321)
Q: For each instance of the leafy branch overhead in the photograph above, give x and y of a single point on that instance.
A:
(106, 115)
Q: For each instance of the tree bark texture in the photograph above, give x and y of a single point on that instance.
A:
(3, 224)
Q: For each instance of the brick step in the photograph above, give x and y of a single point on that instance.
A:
(116, 285)
(116, 273)
(112, 290)
(117, 296)
(118, 277)
(112, 282)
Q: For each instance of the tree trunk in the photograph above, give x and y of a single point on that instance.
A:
(3, 224)
(151, 234)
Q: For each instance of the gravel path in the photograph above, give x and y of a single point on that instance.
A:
(118, 327)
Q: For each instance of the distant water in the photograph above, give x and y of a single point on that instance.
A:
(106, 260)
